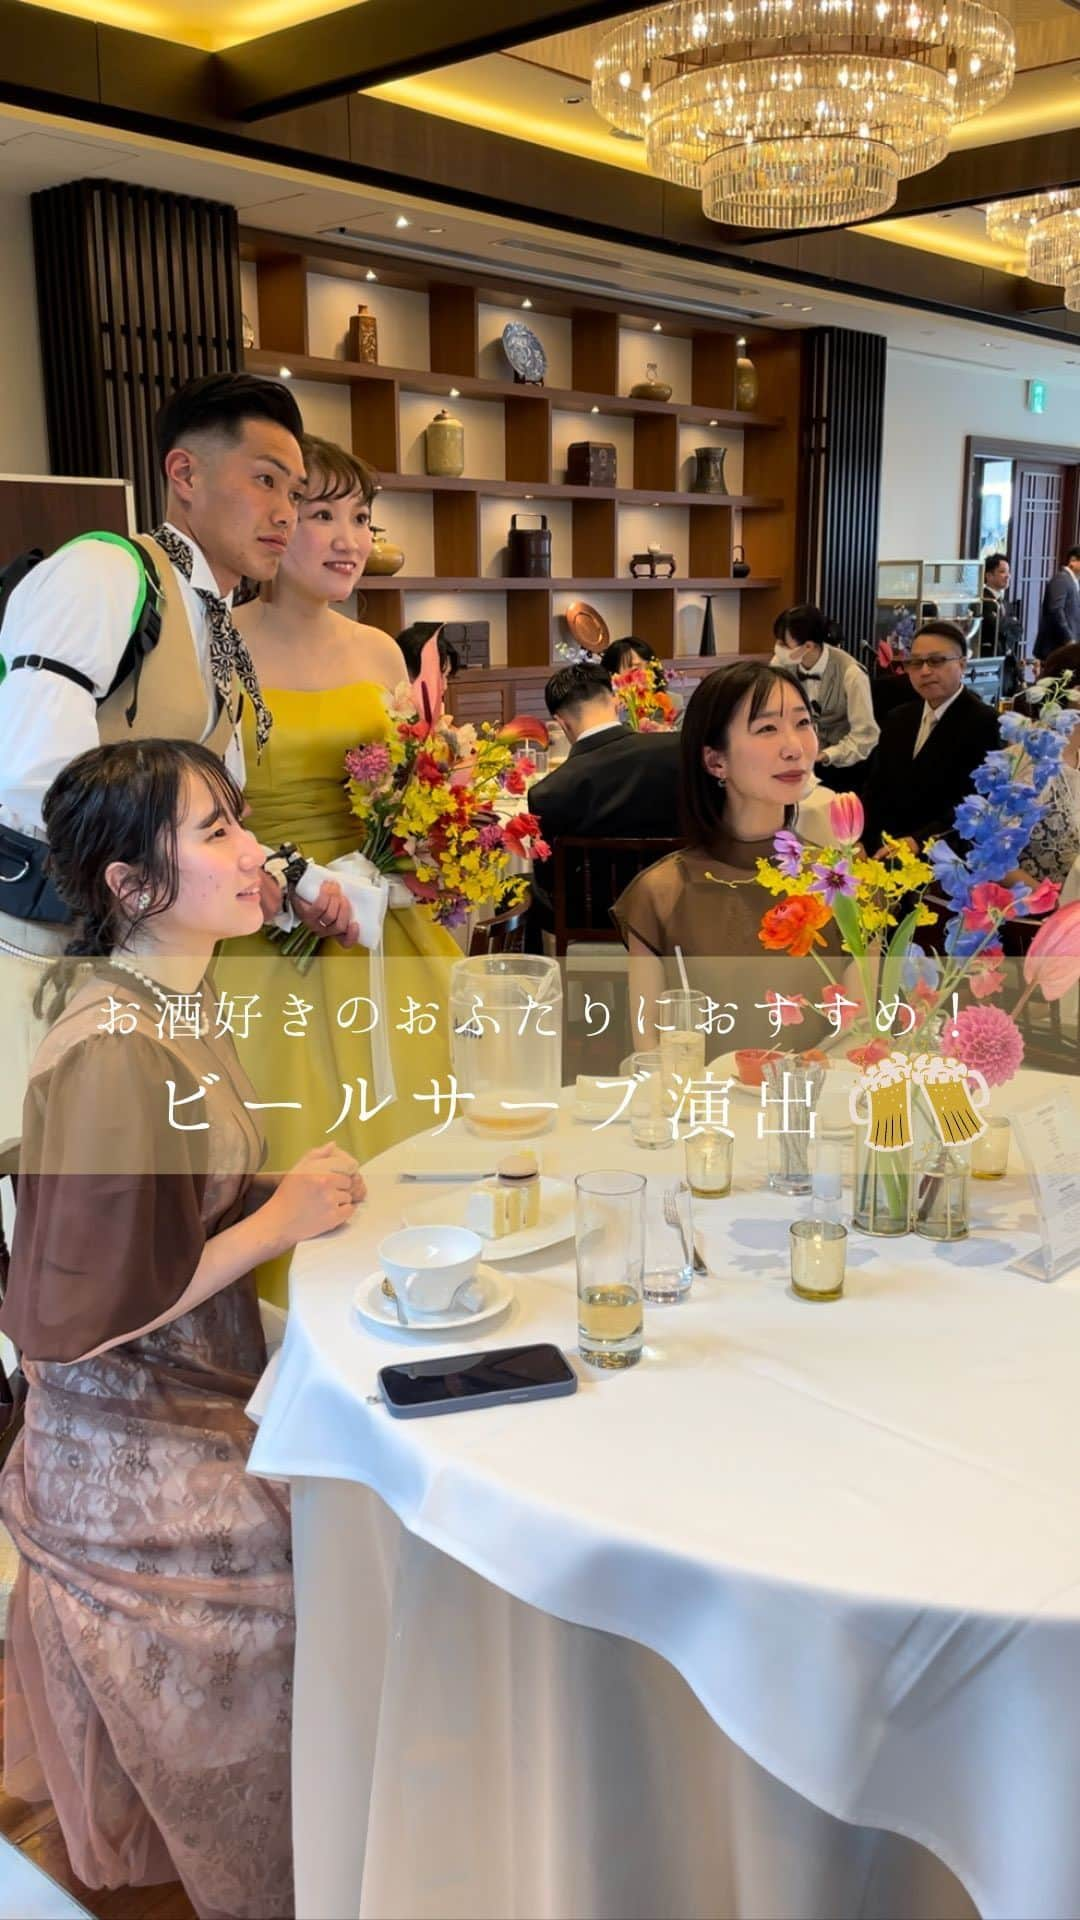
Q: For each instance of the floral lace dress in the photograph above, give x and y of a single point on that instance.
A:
(150, 1638)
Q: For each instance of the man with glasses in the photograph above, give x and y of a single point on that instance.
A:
(929, 747)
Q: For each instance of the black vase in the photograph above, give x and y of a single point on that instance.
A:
(708, 631)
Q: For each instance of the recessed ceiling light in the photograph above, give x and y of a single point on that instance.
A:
(714, 423)
(572, 99)
(284, 373)
(657, 328)
(434, 229)
(370, 275)
(455, 393)
(526, 303)
(806, 309)
(787, 303)
(402, 221)
(594, 409)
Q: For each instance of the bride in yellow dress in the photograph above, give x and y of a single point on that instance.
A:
(324, 677)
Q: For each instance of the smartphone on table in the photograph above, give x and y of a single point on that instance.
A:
(493, 1379)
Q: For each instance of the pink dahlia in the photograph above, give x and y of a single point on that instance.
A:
(368, 763)
(985, 1038)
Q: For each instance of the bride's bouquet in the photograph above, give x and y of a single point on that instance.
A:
(437, 806)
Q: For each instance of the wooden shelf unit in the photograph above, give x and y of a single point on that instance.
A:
(770, 447)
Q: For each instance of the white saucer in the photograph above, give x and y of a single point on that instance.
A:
(373, 1306)
(556, 1220)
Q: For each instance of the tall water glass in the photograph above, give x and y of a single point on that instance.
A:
(681, 1017)
(650, 1110)
(610, 1234)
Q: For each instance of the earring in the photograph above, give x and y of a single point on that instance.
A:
(143, 900)
(721, 779)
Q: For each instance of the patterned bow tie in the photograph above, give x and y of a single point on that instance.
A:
(228, 649)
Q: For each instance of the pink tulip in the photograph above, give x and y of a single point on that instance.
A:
(1052, 962)
(846, 820)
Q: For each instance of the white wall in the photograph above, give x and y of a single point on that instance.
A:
(930, 409)
(23, 439)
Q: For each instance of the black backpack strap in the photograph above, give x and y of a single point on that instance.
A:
(144, 636)
(41, 663)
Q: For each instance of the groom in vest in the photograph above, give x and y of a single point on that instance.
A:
(229, 446)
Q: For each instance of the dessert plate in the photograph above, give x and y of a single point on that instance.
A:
(372, 1306)
(556, 1220)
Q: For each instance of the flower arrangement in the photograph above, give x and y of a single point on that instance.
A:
(644, 706)
(431, 800)
(877, 904)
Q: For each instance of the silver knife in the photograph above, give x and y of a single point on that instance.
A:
(479, 1175)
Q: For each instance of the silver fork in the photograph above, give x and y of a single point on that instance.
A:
(673, 1218)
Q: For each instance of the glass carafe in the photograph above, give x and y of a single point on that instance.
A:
(506, 1042)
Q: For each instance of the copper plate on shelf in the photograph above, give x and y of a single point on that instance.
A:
(588, 627)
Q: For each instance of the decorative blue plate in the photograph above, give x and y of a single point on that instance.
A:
(524, 352)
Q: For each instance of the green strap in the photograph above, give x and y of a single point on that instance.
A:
(129, 546)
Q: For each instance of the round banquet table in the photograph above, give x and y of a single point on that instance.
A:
(783, 1621)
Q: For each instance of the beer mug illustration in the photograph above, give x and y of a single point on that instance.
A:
(887, 1090)
(955, 1095)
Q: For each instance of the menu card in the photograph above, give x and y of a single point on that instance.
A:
(1048, 1136)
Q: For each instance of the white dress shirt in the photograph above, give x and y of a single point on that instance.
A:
(77, 606)
(858, 743)
(604, 726)
(930, 719)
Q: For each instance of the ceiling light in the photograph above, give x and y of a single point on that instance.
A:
(594, 409)
(370, 275)
(402, 221)
(434, 229)
(526, 303)
(572, 99)
(714, 423)
(284, 373)
(455, 393)
(657, 328)
(790, 113)
(1047, 227)
(787, 303)
(806, 309)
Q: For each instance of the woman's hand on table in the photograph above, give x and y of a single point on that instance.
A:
(320, 1193)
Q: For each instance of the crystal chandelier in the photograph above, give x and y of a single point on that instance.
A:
(800, 113)
(1046, 228)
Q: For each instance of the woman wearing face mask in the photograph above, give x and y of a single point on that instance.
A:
(326, 680)
(150, 1637)
(838, 691)
(747, 745)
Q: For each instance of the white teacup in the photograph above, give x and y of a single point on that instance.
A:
(427, 1266)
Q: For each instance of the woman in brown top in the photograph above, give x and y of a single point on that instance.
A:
(748, 746)
(150, 1637)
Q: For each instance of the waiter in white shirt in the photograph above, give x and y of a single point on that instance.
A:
(229, 445)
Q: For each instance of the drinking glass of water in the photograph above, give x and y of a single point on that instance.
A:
(610, 1235)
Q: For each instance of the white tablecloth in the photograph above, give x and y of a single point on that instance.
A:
(852, 1530)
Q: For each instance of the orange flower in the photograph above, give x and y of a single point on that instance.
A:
(792, 925)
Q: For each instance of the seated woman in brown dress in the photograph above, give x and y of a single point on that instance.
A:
(748, 745)
(150, 1636)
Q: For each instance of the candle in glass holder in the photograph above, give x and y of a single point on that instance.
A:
(990, 1151)
(709, 1155)
(818, 1256)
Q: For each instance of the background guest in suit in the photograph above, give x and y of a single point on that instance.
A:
(838, 691)
(930, 748)
(1060, 620)
(612, 784)
(1000, 633)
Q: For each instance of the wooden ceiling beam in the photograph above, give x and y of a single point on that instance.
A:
(364, 46)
